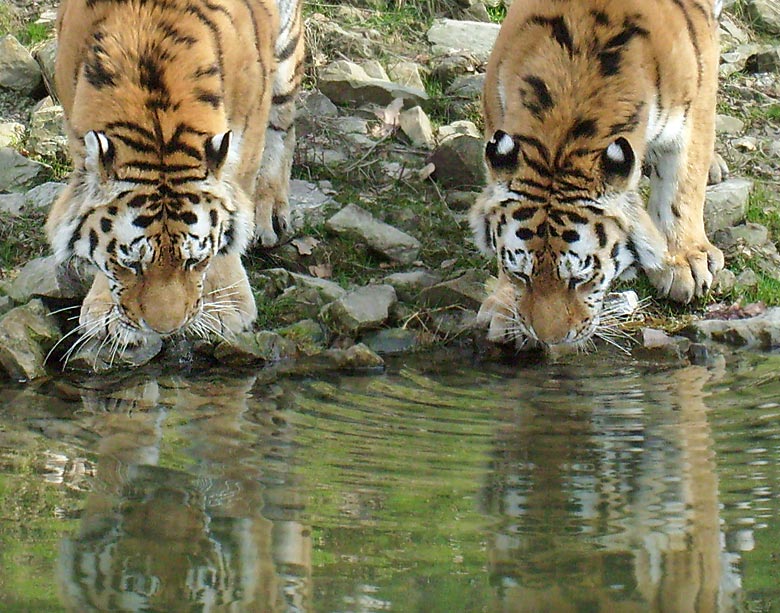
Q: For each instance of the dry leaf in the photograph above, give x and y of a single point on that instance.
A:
(306, 245)
(321, 271)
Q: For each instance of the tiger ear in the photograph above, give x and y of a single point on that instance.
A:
(619, 163)
(502, 153)
(217, 148)
(100, 154)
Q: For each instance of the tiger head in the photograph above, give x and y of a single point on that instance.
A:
(153, 229)
(560, 238)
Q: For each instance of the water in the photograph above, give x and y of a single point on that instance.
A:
(601, 484)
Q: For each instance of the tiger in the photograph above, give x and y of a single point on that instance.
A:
(579, 98)
(179, 119)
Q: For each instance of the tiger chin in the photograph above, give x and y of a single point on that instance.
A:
(179, 117)
(578, 96)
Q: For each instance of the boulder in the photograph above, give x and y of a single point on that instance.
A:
(474, 36)
(27, 334)
(347, 83)
(466, 291)
(17, 173)
(18, 70)
(362, 309)
(725, 204)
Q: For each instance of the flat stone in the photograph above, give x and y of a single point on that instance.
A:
(308, 335)
(17, 173)
(45, 135)
(41, 197)
(329, 290)
(467, 291)
(725, 204)
(408, 285)
(12, 204)
(391, 340)
(765, 15)
(11, 133)
(726, 124)
(384, 239)
(761, 332)
(468, 87)
(346, 83)
(357, 357)
(362, 309)
(18, 70)
(27, 333)
(251, 347)
(473, 36)
(45, 277)
(408, 74)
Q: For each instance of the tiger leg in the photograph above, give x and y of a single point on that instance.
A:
(228, 304)
(678, 181)
(272, 213)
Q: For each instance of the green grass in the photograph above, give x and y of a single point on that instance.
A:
(33, 33)
(21, 239)
(497, 13)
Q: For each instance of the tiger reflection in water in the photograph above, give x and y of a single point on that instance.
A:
(208, 537)
(607, 506)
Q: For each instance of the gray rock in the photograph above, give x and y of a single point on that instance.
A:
(6, 304)
(357, 357)
(385, 240)
(468, 87)
(467, 291)
(98, 356)
(747, 279)
(45, 55)
(362, 309)
(45, 277)
(737, 58)
(11, 133)
(726, 204)
(346, 83)
(329, 290)
(408, 74)
(458, 128)
(45, 135)
(726, 124)
(459, 200)
(452, 322)
(417, 126)
(750, 241)
(309, 337)
(354, 42)
(41, 197)
(473, 36)
(17, 173)
(12, 204)
(307, 200)
(762, 331)
(454, 65)
(374, 69)
(766, 60)
(408, 285)
(391, 340)
(459, 163)
(318, 105)
(250, 347)
(18, 70)
(27, 333)
(724, 282)
(765, 15)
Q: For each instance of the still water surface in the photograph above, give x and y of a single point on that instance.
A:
(604, 484)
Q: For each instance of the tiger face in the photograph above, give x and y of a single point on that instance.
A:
(155, 244)
(558, 253)
(578, 97)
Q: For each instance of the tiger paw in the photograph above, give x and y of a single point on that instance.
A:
(688, 274)
(270, 228)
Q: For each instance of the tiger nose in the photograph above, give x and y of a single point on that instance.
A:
(550, 323)
(163, 312)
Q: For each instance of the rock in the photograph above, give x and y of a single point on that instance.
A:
(296, 303)
(454, 65)
(6, 304)
(250, 347)
(99, 356)
(459, 200)
(459, 163)
(346, 83)
(765, 15)
(747, 279)
(357, 357)
(473, 36)
(374, 69)
(27, 334)
(357, 43)
(329, 290)
(44, 277)
(17, 173)
(765, 60)
(726, 204)
(307, 200)
(732, 33)
(391, 340)
(736, 59)
(467, 291)
(621, 304)
(41, 197)
(408, 74)
(449, 323)
(11, 133)
(475, 10)
(659, 341)
(317, 104)
(45, 136)
(362, 309)
(724, 282)
(750, 241)
(458, 128)
(384, 239)
(12, 204)
(408, 285)
(417, 126)
(45, 55)
(726, 124)
(760, 332)
(309, 337)
(18, 70)
(468, 87)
